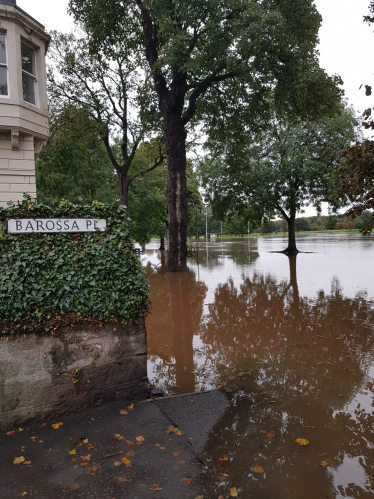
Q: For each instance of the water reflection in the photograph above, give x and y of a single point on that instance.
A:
(294, 366)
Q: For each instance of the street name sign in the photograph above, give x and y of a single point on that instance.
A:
(54, 225)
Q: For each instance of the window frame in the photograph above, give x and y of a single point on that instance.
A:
(6, 65)
(33, 76)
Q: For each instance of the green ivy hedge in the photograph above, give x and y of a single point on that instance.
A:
(49, 280)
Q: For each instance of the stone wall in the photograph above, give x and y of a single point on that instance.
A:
(44, 376)
(17, 168)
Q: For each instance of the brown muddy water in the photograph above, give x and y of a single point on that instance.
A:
(290, 343)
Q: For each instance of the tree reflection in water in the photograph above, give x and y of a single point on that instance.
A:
(309, 362)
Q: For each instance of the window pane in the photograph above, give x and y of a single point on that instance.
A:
(3, 81)
(27, 59)
(2, 49)
(28, 84)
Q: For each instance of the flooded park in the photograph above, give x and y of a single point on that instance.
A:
(289, 341)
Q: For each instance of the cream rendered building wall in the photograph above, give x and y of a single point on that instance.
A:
(23, 126)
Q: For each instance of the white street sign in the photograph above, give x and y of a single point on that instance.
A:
(54, 225)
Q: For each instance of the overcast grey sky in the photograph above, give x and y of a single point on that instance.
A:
(346, 48)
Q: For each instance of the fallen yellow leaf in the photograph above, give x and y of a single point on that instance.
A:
(131, 407)
(117, 463)
(56, 426)
(224, 458)
(85, 441)
(302, 441)
(20, 429)
(24, 494)
(234, 492)
(257, 469)
(118, 436)
(140, 440)
(18, 460)
(126, 461)
(72, 452)
(123, 412)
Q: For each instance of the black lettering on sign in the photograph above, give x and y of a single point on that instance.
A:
(88, 224)
(66, 224)
(29, 225)
(50, 222)
(75, 225)
(58, 225)
(18, 225)
(39, 225)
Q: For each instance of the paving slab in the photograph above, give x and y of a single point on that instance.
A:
(84, 457)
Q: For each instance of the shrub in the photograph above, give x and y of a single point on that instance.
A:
(48, 280)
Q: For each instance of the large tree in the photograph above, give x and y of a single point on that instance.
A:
(112, 86)
(282, 172)
(216, 60)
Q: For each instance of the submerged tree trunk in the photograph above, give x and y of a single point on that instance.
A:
(162, 243)
(175, 145)
(291, 236)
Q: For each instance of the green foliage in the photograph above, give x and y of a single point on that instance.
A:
(283, 171)
(49, 280)
(75, 165)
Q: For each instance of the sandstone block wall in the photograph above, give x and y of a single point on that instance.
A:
(17, 168)
(44, 376)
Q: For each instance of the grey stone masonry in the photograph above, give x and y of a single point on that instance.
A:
(44, 376)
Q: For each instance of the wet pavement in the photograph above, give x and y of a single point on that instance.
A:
(289, 342)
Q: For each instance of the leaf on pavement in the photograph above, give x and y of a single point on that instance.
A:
(123, 412)
(128, 442)
(126, 461)
(122, 479)
(75, 486)
(186, 480)
(56, 426)
(131, 407)
(224, 458)
(118, 436)
(154, 487)
(11, 432)
(176, 453)
(257, 469)
(130, 453)
(140, 440)
(18, 460)
(93, 469)
(72, 452)
(91, 445)
(222, 477)
(234, 492)
(117, 463)
(87, 458)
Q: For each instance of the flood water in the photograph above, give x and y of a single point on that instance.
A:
(289, 340)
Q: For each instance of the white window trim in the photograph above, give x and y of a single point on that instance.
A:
(35, 76)
(6, 66)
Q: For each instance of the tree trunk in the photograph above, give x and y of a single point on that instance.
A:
(291, 236)
(175, 145)
(162, 243)
(123, 190)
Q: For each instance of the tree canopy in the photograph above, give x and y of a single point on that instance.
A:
(215, 62)
(282, 172)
